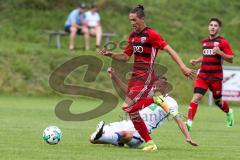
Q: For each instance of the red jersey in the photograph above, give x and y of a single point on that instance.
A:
(144, 46)
(211, 67)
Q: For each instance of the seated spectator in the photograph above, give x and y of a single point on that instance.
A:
(75, 25)
(94, 26)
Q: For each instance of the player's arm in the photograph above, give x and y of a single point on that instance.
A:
(182, 126)
(226, 57)
(186, 71)
(117, 80)
(74, 17)
(197, 61)
(117, 56)
(124, 56)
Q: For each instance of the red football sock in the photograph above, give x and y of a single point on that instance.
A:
(224, 106)
(142, 103)
(192, 110)
(140, 126)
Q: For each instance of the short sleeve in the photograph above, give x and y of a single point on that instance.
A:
(157, 41)
(128, 50)
(226, 48)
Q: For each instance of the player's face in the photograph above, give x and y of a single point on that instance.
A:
(213, 28)
(160, 86)
(137, 23)
(81, 10)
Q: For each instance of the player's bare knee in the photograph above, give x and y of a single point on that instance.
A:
(128, 137)
(73, 30)
(125, 136)
(196, 98)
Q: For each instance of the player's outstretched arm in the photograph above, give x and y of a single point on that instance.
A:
(186, 71)
(117, 56)
(184, 130)
(117, 80)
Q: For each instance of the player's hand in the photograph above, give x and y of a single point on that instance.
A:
(111, 72)
(190, 73)
(194, 62)
(105, 52)
(217, 50)
(191, 142)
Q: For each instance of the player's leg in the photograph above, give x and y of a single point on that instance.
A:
(112, 134)
(107, 134)
(192, 109)
(98, 133)
(113, 138)
(136, 89)
(125, 136)
(200, 88)
(142, 103)
(141, 128)
(216, 88)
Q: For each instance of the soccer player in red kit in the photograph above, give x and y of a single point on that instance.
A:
(210, 76)
(144, 43)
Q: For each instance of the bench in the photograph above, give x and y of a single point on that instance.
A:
(59, 34)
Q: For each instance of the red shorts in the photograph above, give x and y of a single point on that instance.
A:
(138, 89)
(201, 86)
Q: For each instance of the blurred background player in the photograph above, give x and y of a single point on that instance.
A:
(144, 43)
(123, 132)
(215, 50)
(94, 25)
(75, 24)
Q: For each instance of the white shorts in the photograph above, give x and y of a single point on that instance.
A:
(125, 125)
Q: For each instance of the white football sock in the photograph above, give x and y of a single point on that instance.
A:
(110, 138)
(134, 143)
(189, 122)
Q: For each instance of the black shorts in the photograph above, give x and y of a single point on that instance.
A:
(67, 29)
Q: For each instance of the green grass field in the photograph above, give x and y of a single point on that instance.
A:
(22, 120)
(26, 62)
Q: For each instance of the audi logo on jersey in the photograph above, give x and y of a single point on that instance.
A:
(208, 52)
(138, 49)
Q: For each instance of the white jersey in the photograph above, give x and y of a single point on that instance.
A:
(92, 19)
(152, 115)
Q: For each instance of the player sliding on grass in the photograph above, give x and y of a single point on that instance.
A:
(144, 43)
(123, 132)
(215, 50)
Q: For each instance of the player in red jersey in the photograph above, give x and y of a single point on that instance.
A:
(144, 43)
(210, 76)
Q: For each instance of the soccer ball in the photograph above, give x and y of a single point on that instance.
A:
(52, 135)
